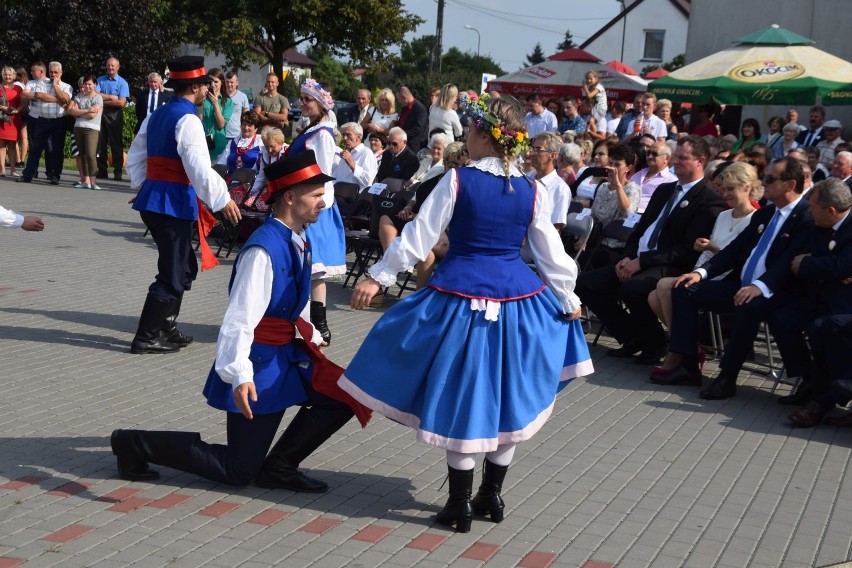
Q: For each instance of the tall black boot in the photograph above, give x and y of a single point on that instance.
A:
(487, 499)
(308, 430)
(134, 449)
(458, 510)
(170, 331)
(148, 338)
(319, 321)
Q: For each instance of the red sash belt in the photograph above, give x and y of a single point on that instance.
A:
(171, 170)
(278, 331)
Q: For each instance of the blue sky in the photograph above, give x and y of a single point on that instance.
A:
(509, 29)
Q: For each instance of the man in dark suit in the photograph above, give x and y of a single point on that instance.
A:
(813, 134)
(150, 99)
(827, 299)
(399, 161)
(660, 246)
(413, 118)
(758, 281)
(842, 168)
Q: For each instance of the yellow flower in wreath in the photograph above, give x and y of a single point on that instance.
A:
(495, 132)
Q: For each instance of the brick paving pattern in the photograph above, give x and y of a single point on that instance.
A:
(623, 474)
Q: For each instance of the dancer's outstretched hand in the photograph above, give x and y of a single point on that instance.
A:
(242, 395)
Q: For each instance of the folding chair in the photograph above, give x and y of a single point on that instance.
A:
(613, 230)
(346, 195)
(242, 180)
(579, 227)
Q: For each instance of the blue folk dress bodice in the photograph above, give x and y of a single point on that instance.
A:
(488, 227)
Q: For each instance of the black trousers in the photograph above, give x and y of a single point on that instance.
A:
(112, 125)
(600, 290)
(788, 325)
(718, 296)
(177, 266)
(240, 460)
(831, 343)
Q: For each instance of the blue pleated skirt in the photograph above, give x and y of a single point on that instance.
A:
(328, 243)
(465, 383)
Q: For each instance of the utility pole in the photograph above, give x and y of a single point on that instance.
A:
(439, 35)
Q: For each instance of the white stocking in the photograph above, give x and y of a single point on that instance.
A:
(458, 460)
(502, 455)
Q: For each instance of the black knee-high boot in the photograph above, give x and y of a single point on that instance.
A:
(319, 321)
(458, 510)
(170, 331)
(148, 337)
(487, 499)
(308, 430)
(135, 449)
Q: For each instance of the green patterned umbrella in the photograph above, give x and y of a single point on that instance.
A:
(770, 66)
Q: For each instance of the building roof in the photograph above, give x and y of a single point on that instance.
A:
(295, 58)
(682, 5)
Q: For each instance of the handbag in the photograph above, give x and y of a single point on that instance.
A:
(390, 202)
(4, 102)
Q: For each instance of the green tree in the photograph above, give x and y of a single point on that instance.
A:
(362, 31)
(567, 43)
(82, 34)
(536, 57)
(677, 62)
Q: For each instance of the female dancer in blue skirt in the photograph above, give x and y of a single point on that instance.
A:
(474, 360)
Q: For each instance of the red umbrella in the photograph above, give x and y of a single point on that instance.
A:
(656, 74)
(562, 74)
(622, 68)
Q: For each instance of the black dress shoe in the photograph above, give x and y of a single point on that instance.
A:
(117, 177)
(809, 415)
(629, 349)
(678, 376)
(291, 479)
(54, 181)
(23, 179)
(156, 345)
(802, 394)
(131, 466)
(721, 388)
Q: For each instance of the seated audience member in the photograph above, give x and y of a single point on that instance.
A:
(774, 134)
(615, 199)
(567, 162)
(785, 143)
(813, 133)
(432, 164)
(657, 172)
(356, 164)
(749, 135)
(759, 282)
(545, 148)
(824, 270)
(455, 154)
(818, 171)
(555, 106)
(244, 151)
(740, 189)
(274, 148)
(584, 188)
(399, 161)
(661, 245)
(758, 160)
(664, 111)
(646, 122)
(831, 138)
(378, 145)
(842, 168)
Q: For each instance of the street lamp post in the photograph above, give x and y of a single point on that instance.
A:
(469, 27)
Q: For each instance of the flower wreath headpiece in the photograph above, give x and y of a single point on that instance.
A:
(314, 90)
(516, 141)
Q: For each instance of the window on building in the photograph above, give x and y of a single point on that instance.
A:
(654, 45)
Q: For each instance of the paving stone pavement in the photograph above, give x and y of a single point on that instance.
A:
(623, 474)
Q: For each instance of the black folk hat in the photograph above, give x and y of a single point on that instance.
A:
(187, 70)
(291, 171)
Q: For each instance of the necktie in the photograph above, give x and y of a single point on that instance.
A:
(760, 250)
(153, 105)
(652, 242)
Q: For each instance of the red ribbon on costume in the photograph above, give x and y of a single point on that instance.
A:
(183, 75)
(171, 170)
(278, 331)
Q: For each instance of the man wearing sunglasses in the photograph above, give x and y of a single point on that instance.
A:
(759, 283)
(399, 161)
